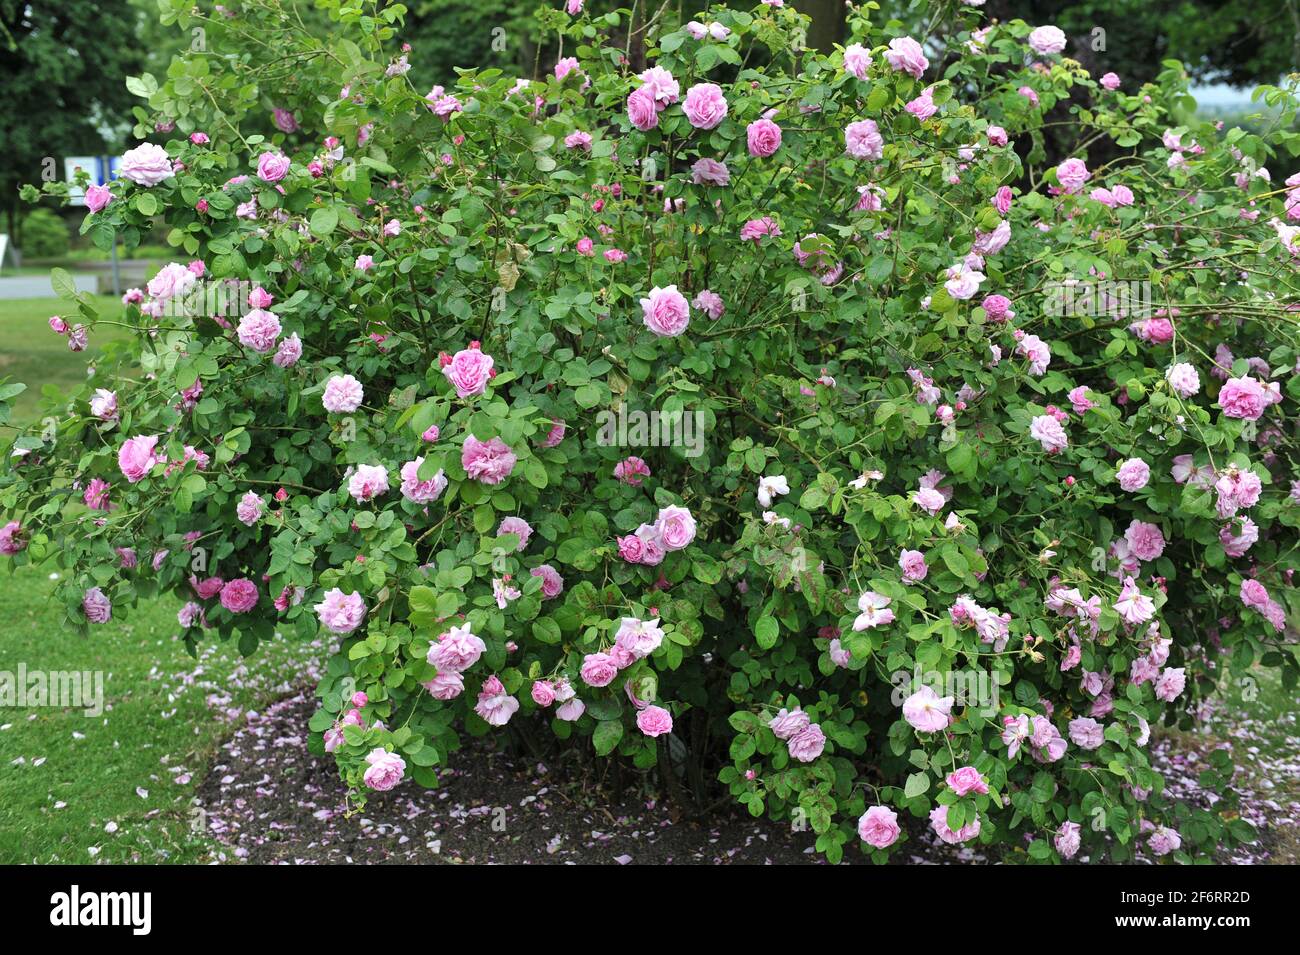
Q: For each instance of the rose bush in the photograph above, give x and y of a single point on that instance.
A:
(930, 441)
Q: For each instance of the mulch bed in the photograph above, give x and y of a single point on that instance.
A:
(270, 801)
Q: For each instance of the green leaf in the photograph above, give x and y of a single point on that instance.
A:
(606, 736)
(323, 221)
(916, 784)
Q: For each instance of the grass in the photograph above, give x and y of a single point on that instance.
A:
(33, 354)
(67, 779)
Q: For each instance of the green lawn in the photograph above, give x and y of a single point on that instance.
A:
(115, 787)
(33, 354)
(118, 787)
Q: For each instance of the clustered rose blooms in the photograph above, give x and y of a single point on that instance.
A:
(908, 461)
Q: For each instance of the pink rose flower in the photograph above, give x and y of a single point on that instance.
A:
(1145, 541)
(543, 692)
(926, 711)
(654, 721)
(1086, 733)
(856, 60)
(137, 457)
(1045, 40)
(967, 780)
(552, 582)
(368, 482)
(939, 822)
(1133, 474)
(676, 527)
(490, 462)
(421, 492)
(259, 330)
(1243, 398)
(878, 827)
(96, 606)
(704, 106)
(710, 172)
(631, 548)
(469, 371)
(97, 197)
(1047, 431)
(1164, 841)
(272, 167)
(598, 669)
(763, 138)
(339, 612)
(495, 705)
(290, 350)
(807, 744)
(456, 650)
(642, 110)
(11, 539)
(171, 281)
(145, 165)
(1182, 377)
(1169, 685)
(665, 311)
(343, 394)
(385, 769)
(1072, 174)
(249, 508)
(239, 595)
(905, 55)
(1067, 837)
(913, 564)
(862, 140)
(787, 723)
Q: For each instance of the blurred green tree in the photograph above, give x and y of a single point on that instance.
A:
(62, 69)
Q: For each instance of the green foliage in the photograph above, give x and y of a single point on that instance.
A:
(45, 235)
(858, 397)
(61, 69)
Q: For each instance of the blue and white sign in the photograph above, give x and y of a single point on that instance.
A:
(102, 171)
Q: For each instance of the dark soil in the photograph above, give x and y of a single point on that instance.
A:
(271, 801)
(268, 800)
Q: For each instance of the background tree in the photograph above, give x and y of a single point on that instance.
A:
(62, 67)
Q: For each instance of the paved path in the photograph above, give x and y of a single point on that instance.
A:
(38, 286)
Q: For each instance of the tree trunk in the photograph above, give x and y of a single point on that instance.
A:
(827, 22)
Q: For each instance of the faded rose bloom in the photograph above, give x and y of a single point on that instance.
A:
(665, 311)
(145, 165)
(96, 606)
